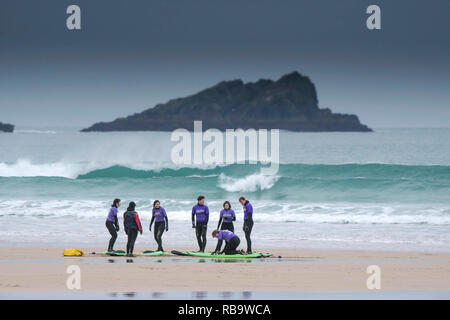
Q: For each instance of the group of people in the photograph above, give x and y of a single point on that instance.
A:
(200, 217)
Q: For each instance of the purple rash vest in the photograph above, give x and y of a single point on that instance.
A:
(112, 215)
(225, 235)
(200, 212)
(159, 214)
(227, 215)
(248, 211)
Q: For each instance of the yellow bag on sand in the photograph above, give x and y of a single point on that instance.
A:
(73, 253)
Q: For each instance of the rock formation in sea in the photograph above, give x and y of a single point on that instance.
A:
(6, 127)
(290, 103)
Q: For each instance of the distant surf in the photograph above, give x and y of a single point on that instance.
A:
(386, 190)
(369, 183)
(93, 170)
(32, 131)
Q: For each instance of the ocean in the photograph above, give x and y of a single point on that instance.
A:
(386, 190)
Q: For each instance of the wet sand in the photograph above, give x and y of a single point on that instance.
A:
(34, 270)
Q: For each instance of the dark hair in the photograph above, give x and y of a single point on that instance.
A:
(227, 202)
(215, 232)
(242, 198)
(131, 206)
(115, 202)
(154, 202)
(200, 198)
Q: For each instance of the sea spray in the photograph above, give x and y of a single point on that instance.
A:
(251, 183)
(267, 211)
(371, 183)
(25, 168)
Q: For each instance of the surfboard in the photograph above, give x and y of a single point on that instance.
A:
(122, 253)
(118, 253)
(222, 256)
(154, 253)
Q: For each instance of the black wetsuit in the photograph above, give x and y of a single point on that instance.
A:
(227, 216)
(132, 236)
(160, 226)
(248, 224)
(132, 226)
(159, 230)
(230, 245)
(112, 224)
(227, 226)
(200, 218)
(200, 231)
(112, 228)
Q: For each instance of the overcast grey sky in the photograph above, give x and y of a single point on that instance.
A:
(131, 55)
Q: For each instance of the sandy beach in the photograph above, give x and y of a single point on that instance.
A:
(40, 270)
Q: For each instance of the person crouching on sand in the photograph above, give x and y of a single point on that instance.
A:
(227, 216)
(232, 241)
(132, 225)
(162, 223)
(112, 224)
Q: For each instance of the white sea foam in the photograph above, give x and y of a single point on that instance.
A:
(265, 211)
(200, 176)
(284, 224)
(35, 131)
(25, 168)
(251, 183)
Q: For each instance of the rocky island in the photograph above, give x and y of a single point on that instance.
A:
(6, 127)
(289, 103)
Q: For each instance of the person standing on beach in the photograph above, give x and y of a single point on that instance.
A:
(200, 217)
(227, 216)
(162, 223)
(112, 224)
(232, 241)
(132, 225)
(248, 222)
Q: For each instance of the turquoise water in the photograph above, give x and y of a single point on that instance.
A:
(383, 190)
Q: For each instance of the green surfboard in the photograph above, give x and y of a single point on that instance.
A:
(222, 256)
(154, 253)
(121, 253)
(118, 253)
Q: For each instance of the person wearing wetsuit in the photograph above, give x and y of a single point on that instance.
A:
(227, 216)
(200, 217)
(232, 241)
(162, 223)
(248, 222)
(132, 226)
(112, 224)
